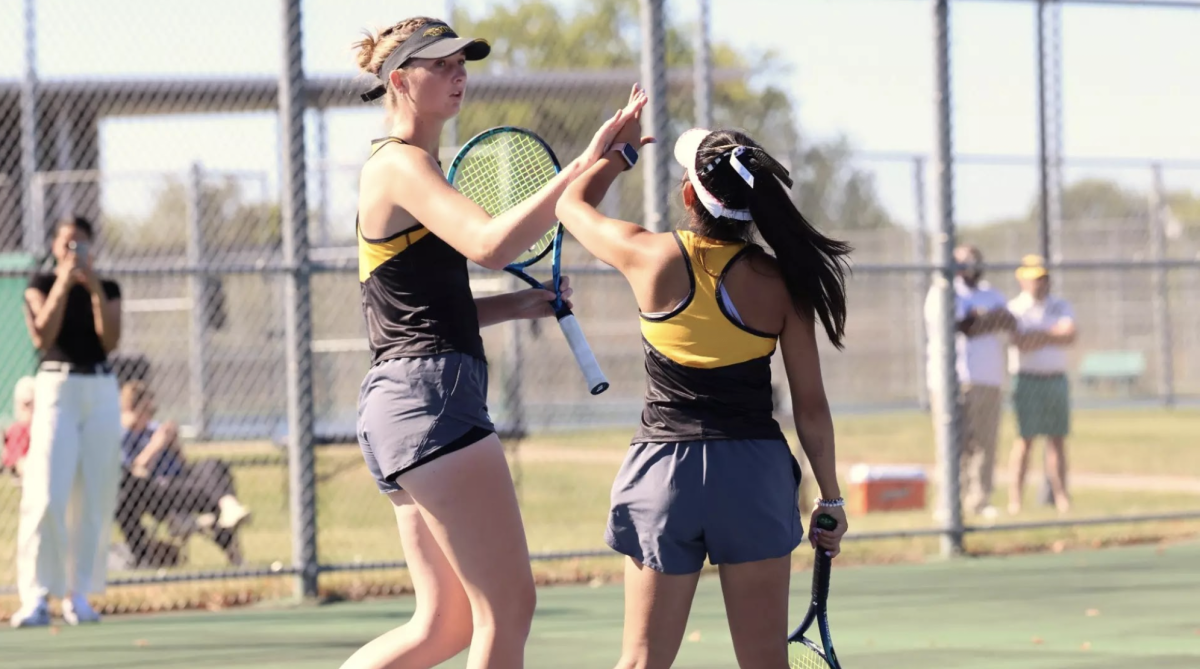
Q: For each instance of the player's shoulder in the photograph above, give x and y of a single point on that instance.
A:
(398, 159)
(763, 264)
(41, 282)
(763, 270)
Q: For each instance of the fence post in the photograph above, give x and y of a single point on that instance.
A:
(451, 127)
(946, 409)
(298, 307)
(33, 232)
(654, 117)
(1049, 59)
(1162, 304)
(513, 396)
(702, 67)
(322, 173)
(1049, 41)
(198, 310)
(921, 280)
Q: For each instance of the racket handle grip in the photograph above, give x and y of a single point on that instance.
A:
(596, 381)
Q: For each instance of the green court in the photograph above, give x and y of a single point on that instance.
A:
(1117, 608)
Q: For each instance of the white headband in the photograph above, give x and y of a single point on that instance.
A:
(685, 153)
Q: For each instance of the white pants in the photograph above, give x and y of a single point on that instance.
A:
(69, 486)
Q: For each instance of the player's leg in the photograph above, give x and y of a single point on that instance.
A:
(656, 614)
(987, 431)
(971, 457)
(97, 482)
(1058, 425)
(1056, 469)
(395, 417)
(657, 520)
(756, 602)
(440, 627)
(1018, 463)
(100, 477)
(1025, 406)
(50, 469)
(752, 525)
(467, 500)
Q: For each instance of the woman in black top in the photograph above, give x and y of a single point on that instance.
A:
(74, 319)
(423, 424)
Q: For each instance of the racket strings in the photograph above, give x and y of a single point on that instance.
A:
(801, 656)
(504, 170)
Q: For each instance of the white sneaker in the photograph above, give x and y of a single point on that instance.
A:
(232, 513)
(77, 610)
(37, 615)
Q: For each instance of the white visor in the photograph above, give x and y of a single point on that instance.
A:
(686, 148)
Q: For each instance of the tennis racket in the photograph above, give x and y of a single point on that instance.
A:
(499, 168)
(804, 653)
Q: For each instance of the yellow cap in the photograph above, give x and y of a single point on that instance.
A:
(1032, 267)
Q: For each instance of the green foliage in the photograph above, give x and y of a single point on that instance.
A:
(603, 35)
(1089, 201)
(230, 220)
(541, 36)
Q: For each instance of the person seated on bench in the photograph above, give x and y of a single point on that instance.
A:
(157, 479)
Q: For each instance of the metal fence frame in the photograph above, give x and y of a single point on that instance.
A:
(297, 265)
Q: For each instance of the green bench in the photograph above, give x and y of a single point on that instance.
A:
(1122, 368)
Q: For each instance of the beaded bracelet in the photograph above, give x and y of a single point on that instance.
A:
(830, 503)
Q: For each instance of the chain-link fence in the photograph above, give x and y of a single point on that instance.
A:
(175, 146)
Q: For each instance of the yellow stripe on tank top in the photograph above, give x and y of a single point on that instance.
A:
(701, 335)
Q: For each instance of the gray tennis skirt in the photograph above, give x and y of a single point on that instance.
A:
(733, 501)
(413, 410)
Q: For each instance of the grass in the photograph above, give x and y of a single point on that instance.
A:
(1150, 442)
(564, 483)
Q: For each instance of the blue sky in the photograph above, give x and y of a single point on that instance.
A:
(862, 68)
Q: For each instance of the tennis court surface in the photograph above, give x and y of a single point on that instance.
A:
(1123, 607)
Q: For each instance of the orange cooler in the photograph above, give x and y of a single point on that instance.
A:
(886, 488)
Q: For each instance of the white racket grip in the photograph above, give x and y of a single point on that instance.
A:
(583, 354)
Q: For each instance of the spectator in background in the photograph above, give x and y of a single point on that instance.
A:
(74, 320)
(1041, 393)
(16, 437)
(157, 479)
(980, 316)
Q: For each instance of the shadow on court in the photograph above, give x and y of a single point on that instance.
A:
(1114, 608)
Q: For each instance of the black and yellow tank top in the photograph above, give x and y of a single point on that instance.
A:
(416, 293)
(708, 376)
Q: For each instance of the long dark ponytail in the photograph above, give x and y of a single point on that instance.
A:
(813, 266)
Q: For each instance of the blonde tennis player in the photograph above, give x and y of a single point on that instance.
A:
(423, 424)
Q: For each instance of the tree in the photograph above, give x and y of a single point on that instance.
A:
(541, 36)
(832, 191)
(1122, 212)
(228, 219)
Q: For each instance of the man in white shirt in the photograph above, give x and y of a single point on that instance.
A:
(981, 315)
(1041, 393)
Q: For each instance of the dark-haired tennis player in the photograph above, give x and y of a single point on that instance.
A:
(423, 424)
(709, 472)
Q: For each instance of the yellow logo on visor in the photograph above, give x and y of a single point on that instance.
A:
(438, 31)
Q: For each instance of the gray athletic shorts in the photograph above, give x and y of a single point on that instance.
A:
(734, 501)
(413, 410)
